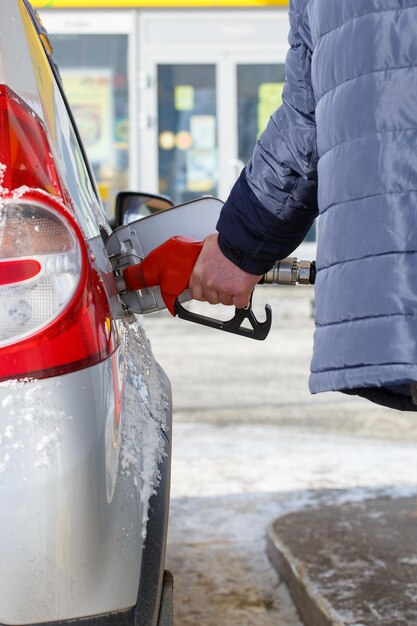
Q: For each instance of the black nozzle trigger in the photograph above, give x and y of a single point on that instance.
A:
(258, 330)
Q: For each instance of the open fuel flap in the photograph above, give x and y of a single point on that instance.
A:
(129, 245)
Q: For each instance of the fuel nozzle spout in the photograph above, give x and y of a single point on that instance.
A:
(291, 271)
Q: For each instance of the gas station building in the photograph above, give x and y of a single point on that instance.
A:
(169, 95)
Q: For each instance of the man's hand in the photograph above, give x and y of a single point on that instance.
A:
(217, 280)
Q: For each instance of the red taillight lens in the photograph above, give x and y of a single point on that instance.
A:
(54, 315)
(25, 154)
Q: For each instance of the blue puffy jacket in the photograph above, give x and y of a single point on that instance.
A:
(344, 143)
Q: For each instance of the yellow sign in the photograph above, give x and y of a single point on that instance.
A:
(183, 97)
(119, 4)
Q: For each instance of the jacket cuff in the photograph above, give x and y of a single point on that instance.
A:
(246, 263)
(253, 237)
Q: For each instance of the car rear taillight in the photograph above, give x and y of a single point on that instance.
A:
(54, 315)
(25, 154)
(53, 309)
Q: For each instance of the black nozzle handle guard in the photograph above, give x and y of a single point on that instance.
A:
(258, 330)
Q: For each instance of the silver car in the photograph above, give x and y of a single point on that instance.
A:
(85, 411)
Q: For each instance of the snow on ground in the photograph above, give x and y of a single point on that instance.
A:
(230, 482)
(250, 444)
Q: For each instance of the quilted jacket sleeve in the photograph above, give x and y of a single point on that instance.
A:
(274, 202)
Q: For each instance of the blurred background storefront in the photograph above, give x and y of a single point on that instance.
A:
(169, 96)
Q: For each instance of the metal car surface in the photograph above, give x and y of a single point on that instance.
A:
(84, 408)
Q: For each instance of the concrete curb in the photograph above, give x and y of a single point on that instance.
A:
(350, 562)
(311, 606)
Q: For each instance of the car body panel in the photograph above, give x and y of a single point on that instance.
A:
(79, 452)
(72, 495)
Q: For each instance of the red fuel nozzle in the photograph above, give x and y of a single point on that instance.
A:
(168, 266)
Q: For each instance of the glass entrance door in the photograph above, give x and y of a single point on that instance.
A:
(187, 130)
(208, 80)
(208, 119)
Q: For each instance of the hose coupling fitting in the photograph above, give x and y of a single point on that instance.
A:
(291, 271)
